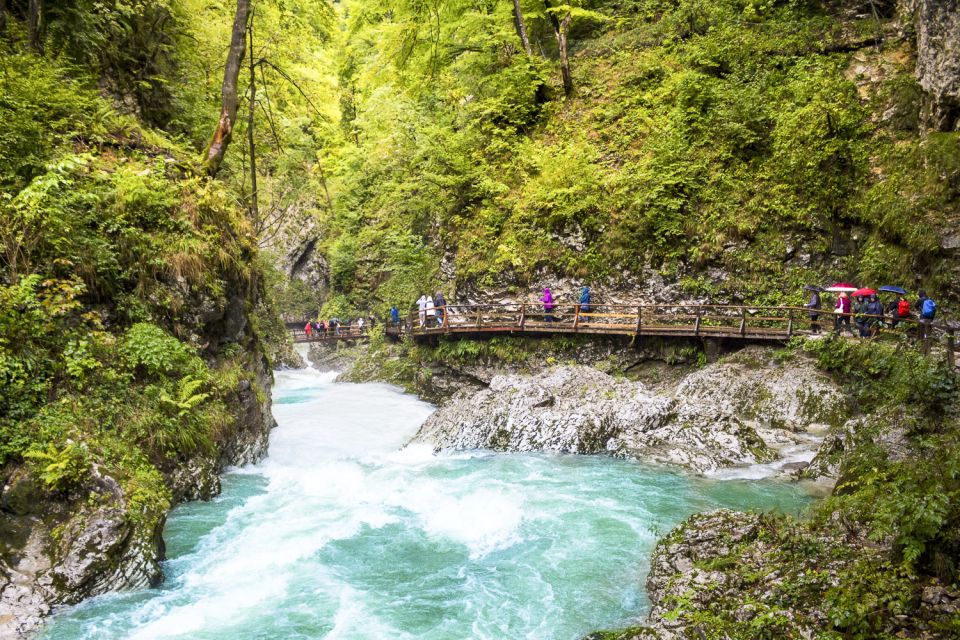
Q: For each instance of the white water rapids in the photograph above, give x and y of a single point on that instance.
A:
(343, 534)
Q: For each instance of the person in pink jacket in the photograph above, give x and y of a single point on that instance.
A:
(842, 311)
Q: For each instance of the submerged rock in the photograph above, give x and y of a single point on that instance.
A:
(735, 412)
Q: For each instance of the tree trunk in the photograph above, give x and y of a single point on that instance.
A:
(213, 158)
(521, 27)
(3, 15)
(251, 112)
(560, 29)
(34, 20)
(564, 60)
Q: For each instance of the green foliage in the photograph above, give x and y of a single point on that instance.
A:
(883, 374)
(149, 349)
(60, 469)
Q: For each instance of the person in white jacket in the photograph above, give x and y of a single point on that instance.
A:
(422, 307)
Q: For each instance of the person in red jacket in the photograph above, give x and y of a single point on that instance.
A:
(842, 311)
(308, 329)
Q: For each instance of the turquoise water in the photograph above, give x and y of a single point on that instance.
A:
(342, 534)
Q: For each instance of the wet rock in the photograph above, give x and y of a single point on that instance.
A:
(938, 60)
(728, 414)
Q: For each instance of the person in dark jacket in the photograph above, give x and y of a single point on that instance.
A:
(874, 318)
(441, 305)
(860, 316)
(814, 305)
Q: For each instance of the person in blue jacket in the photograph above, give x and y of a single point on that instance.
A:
(585, 300)
(395, 316)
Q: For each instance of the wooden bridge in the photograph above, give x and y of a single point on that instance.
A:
(734, 322)
(728, 322)
(341, 334)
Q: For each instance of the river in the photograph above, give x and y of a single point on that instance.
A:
(341, 533)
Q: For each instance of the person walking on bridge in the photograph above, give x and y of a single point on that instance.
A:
(308, 329)
(547, 301)
(928, 311)
(874, 315)
(395, 316)
(585, 300)
(422, 309)
(842, 311)
(431, 312)
(814, 305)
(441, 304)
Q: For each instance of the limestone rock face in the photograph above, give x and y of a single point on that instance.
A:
(58, 550)
(938, 61)
(724, 415)
(98, 548)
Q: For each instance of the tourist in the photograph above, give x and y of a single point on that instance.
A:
(441, 304)
(547, 301)
(323, 328)
(814, 305)
(308, 329)
(431, 312)
(859, 315)
(585, 300)
(422, 308)
(874, 319)
(360, 325)
(842, 311)
(928, 311)
(395, 316)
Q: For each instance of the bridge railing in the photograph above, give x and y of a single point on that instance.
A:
(617, 318)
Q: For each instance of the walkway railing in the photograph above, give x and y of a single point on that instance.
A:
(330, 335)
(682, 320)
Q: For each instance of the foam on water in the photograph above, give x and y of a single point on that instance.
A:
(343, 533)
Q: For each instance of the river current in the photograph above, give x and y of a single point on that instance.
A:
(342, 533)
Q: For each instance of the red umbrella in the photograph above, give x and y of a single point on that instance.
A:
(864, 292)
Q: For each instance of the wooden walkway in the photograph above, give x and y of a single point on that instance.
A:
(298, 333)
(726, 322)
(733, 322)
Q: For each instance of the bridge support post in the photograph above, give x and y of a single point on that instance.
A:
(523, 315)
(743, 322)
(712, 348)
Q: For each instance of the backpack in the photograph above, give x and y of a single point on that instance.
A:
(903, 308)
(929, 309)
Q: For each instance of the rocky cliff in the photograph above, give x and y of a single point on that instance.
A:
(937, 24)
(58, 548)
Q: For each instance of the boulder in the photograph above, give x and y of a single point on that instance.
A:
(732, 413)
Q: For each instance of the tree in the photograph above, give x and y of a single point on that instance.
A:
(521, 27)
(561, 16)
(229, 100)
(560, 28)
(34, 24)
